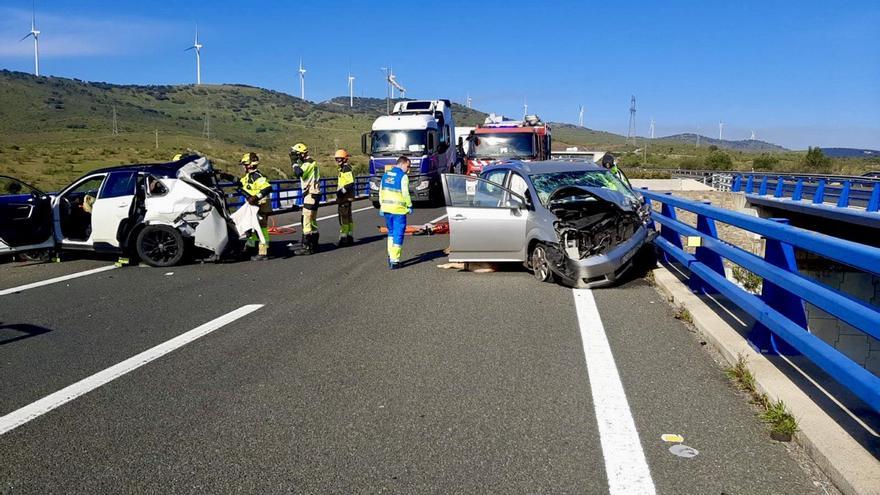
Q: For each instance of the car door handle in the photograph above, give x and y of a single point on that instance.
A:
(459, 217)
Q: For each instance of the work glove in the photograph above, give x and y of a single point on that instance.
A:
(409, 211)
(381, 213)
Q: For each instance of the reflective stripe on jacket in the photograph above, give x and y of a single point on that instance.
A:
(394, 192)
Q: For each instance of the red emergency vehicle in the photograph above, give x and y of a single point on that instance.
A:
(499, 139)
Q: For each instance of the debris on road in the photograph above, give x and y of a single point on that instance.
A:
(683, 451)
(672, 437)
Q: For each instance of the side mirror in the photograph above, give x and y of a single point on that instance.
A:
(430, 141)
(364, 143)
(515, 203)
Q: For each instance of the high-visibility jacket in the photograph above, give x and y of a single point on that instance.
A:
(254, 184)
(345, 181)
(309, 175)
(394, 192)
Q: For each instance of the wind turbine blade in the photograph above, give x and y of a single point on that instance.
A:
(26, 37)
(190, 48)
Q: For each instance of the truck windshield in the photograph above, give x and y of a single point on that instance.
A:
(513, 145)
(399, 142)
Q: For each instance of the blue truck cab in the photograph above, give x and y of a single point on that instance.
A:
(423, 131)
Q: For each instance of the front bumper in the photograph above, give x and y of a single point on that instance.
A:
(605, 269)
(421, 187)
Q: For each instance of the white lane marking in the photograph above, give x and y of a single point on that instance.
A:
(55, 280)
(625, 463)
(328, 216)
(36, 409)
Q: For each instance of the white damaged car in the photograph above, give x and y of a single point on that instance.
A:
(161, 213)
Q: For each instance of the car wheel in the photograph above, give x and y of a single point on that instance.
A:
(540, 265)
(160, 245)
(376, 205)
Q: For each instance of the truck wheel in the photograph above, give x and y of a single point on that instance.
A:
(376, 205)
(160, 245)
(540, 265)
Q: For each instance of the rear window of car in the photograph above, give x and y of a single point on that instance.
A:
(546, 183)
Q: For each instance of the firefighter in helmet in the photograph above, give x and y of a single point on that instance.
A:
(344, 197)
(256, 189)
(305, 168)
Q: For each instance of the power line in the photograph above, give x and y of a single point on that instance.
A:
(631, 133)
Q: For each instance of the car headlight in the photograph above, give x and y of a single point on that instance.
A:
(423, 185)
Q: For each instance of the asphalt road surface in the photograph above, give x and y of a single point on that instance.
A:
(332, 374)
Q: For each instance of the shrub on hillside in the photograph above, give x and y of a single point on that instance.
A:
(691, 163)
(719, 160)
(815, 161)
(765, 162)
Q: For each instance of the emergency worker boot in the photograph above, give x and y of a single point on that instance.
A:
(307, 246)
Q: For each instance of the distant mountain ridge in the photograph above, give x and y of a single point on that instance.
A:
(741, 145)
(851, 152)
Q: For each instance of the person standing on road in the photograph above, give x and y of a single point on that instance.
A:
(306, 170)
(256, 189)
(395, 205)
(344, 197)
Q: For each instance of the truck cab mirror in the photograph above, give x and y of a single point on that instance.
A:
(431, 141)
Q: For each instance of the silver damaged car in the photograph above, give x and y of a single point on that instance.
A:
(574, 222)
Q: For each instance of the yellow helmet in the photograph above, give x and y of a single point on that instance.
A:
(300, 148)
(177, 157)
(250, 159)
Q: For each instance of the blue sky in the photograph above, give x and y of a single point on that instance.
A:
(799, 73)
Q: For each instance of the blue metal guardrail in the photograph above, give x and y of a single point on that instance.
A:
(780, 316)
(286, 195)
(842, 191)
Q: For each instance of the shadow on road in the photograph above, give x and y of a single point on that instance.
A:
(427, 256)
(24, 330)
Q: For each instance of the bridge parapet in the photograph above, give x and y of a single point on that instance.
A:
(779, 310)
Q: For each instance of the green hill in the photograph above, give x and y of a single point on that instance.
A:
(53, 129)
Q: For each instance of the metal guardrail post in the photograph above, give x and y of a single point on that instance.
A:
(843, 199)
(798, 190)
(667, 233)
(275, 198)
(750, 183)
(706, 226)
(779, 254)
(780, 188)
(874, 202)
(762, 190)
(737, 184)
(819, 195)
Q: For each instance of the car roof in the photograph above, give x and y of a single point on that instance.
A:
(547, 166)
(168, 169)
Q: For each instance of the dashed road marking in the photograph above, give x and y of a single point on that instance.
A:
(55, 280)
(36, 409)
(625, 463)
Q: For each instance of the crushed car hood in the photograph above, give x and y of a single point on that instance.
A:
(600, 193)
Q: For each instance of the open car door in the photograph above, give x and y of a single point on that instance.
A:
(113, 207)
(25, 216)
(487, 222)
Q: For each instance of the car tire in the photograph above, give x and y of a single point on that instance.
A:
(160, 245)
(539, 264)
(376, 205)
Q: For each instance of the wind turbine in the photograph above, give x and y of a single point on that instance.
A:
(581, 116)
(468, 100)
(302, 80)
(525, 108)
(392, 82)
(36, 35)
(350, 89)
(720, 130)
(652, 128)
(198, 48)
(753, 135)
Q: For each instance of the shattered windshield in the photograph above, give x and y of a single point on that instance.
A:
(547, 183)
(513, 145)
(399, 142)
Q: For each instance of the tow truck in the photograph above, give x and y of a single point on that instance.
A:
(499, 139)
